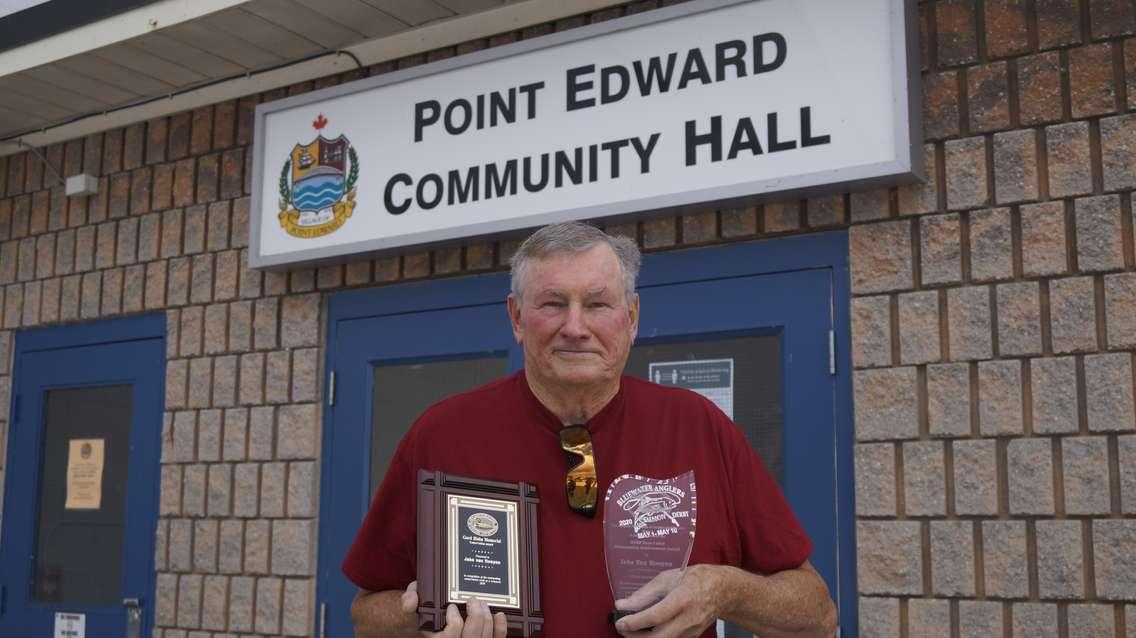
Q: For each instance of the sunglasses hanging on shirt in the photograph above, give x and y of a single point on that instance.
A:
(580, 483)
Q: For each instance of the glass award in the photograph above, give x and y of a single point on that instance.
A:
(649, 529)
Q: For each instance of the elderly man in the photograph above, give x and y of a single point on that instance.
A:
(575, 312)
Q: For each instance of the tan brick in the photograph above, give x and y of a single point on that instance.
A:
(262, 429)
(1035, 620)
(879, 617)
(181, 545)
(235, 434)
(64, 252)
(268, 605)
(241, 592)
(193, 490)
(177, 292)
(1015, 166)
(169, 502)
(880, 256)
(739, 222)
(1118, 152)
(1068, 149)
(875, 479)
(940, 248)
(1005, 559)
(1099, 244)
(1091, 80)
(1127, 452)
(1072, 313)
(968, 318)
(194, 231)
(189, 601)
(171, 232)
(220, 489)
(305, 280)
(231, 547)
(966, 173)
(264, 323)
(988, 94)
(273, 489)
(976, 477)
(1019, 318)
(205, 546)
(300, 320)
(885, 405)
(298, 431)
(991, 248)
(305, 374)
(924, 478)
(871, 331)
(1088, 621)
(919, 327)
(1043, 239)
(276, 378)
(240, 325)
(252, 378)
(1030, 471)
(155, 285)
(825, 211)
(257, 543)
(302, 489)
(200, 382)
(201, 286)
(209, 435)
(1054, 385)
(1114, 546)
(246, 490)
(225, 381)
(133, 288)
(889, 557)
(980, 618)
(177, 374)
(1108, 392)
(90, 296)
(214, 600)
(449, 261)
(1060, 561)
(1086, 475)
(191, 331)
(869, 205)
(948, 399)
(928, 618)
(952, 558)
(165, 608)
(217, 226)
(292, 547)
(215, 326)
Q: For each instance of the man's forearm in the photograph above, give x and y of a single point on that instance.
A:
(789, 604)
(380, 615)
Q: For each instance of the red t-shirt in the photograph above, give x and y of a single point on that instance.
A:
(502, 432)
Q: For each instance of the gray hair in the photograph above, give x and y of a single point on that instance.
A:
(574, 238)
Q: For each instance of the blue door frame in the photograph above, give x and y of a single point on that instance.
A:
(806, 282)
(114, 352)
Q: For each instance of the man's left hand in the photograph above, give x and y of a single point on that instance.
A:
(685, 612)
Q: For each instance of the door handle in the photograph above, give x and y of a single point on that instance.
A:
(133, 617)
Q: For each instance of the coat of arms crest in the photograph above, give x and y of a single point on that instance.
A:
(317, 185)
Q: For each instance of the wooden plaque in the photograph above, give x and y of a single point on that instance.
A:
(478, 538)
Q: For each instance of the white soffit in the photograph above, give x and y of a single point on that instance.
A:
(175, 55)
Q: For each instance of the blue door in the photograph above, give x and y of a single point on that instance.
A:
(759, 328)
(81, 497)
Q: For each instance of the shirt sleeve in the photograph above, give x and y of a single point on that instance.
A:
(384, 553)
(772, 538)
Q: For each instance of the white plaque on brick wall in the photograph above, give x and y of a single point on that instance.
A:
(709, 101)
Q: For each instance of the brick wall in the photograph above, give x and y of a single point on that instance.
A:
(994, 319)
(993, 329)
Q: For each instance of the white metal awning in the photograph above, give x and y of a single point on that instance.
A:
(173, 55)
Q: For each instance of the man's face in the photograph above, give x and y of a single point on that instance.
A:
(574, 320)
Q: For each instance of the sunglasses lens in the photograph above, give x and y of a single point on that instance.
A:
(580, 483)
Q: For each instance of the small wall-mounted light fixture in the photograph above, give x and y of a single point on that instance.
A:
(81, 185)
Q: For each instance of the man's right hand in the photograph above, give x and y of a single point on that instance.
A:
(478, 622)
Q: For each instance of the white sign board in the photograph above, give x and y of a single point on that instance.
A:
(69, 625)
(712, 378)
(710, 101)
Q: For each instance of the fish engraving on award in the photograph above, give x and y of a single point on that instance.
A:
(478, 538)
(649, 529)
